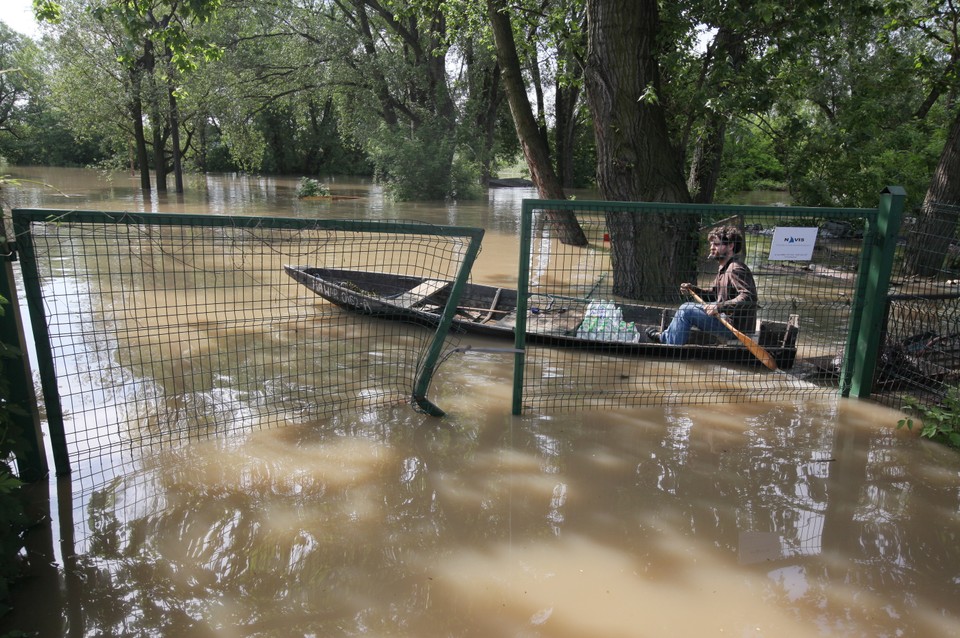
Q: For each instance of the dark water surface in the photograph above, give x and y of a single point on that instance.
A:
(784, 519)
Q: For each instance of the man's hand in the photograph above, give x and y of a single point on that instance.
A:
(711, 309)
(685, 288)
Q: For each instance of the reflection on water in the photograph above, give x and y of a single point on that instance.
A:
(234, 194)
(784, 519)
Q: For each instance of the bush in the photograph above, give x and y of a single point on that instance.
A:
(310, 187)
(940, 422)
(423, 165)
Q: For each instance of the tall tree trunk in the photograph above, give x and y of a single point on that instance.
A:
(533, 144)
(567, 99)
(567, 106)
(705, 163)
(728, 51)
(175, 141)
(635, 157)
(483, 86)
(149, 64)
(159, 152)
(174, 115)
(487, 121)
(139, 136)
(937, 222)
(541, 115)
(388, 106)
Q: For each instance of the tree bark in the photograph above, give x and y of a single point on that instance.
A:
(937, 222)
(483, 86)
(175, 140)
(531, 141)
(704, 172)
(567, 101)
(139, 135)
(705, 163)
(636, 159)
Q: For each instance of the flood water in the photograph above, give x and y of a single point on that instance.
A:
(769, 519)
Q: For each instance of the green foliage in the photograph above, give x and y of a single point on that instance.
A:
(309, 187)
(940, 422)
(421, 165)
(303, 137)
(749, 161)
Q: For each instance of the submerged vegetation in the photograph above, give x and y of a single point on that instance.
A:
(309, 187)
(939, 422)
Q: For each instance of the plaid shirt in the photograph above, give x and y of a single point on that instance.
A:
(735, 294)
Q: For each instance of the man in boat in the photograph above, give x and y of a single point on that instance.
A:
(734, 295)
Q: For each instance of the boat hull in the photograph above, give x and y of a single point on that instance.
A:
(553, 321)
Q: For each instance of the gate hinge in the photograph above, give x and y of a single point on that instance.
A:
(9, 250)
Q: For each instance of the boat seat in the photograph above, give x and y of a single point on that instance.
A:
(419, 294)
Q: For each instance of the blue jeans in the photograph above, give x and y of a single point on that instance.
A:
(689, 315)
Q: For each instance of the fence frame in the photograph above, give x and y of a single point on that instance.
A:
(22, 218)
(15, 367)
(873, 282)
(873, 276)
(881, 231)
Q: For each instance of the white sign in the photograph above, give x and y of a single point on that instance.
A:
(793, 244)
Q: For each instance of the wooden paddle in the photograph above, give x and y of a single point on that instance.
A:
(755, 348)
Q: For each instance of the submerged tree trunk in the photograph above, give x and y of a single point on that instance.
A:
(937, 223)
(175, 142)
(534, 146)
(139, 135)
(651, 254)
(174, 115)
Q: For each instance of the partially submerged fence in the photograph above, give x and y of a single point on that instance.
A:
(815, 269)
(920, 352)
(151, 330)
(157, 329)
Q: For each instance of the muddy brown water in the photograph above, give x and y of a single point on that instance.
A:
(783, 519)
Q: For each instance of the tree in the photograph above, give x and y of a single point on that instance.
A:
(158, 50)
(143, 49)
(388, 78)
(532, 140)
(97, 97)
(30, 130)
(636, 159)
(936, 223)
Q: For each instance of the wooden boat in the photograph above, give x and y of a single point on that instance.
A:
(552, 320)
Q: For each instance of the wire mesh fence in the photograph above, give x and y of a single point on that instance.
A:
(920, 356)
(163, 329)
(602, 300)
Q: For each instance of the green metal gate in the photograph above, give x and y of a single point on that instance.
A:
(154, 329)
(831, 293)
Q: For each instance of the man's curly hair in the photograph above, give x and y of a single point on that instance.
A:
(728, 235)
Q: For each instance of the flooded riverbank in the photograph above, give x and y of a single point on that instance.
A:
(773, 519)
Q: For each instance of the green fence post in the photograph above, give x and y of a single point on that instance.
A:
(31, 459)
(863, 343)
(523, 287)
(41, 343)
(425, 374)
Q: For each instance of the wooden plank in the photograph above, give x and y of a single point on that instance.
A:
(418, 294)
